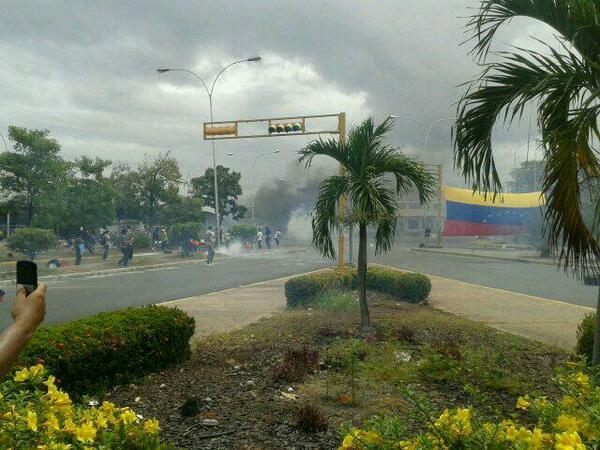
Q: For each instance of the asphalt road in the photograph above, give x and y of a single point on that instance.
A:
(69, 299)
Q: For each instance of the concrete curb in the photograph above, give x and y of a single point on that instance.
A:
(494, 257)
(130, 269)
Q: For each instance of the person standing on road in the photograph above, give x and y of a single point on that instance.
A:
(79, 248)
(259, 239)
(164, 239)
(105, 243)
(125, 248)
(209, 238)
(277, 237)
(268, 237)
(2, 294)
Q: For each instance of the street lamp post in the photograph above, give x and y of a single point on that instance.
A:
(210, 92)
(253, 173)
(425, 137)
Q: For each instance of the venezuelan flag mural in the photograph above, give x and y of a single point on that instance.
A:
(468, 213)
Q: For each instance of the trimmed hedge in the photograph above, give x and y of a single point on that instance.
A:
(404, 286)
(585, 336)
(93, 354)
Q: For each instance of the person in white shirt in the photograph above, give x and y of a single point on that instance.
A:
(277, 237)
(209, 238)
(259, 239)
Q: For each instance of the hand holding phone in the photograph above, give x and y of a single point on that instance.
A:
(27, 276)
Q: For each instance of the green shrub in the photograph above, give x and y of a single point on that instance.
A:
(31, 241)
(585, 336)
(335, 300)
(141, 241)
(404, 286)
(299, 291)
(98, 352)
(183, 232)
(243, 232)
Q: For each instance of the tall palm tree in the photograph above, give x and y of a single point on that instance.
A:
(563, 83)
(372, 198)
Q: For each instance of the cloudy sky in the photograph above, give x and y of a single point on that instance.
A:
(86, 71)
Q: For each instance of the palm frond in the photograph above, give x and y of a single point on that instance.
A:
(320, 147)
(501, 93)
(324, 217)
(577, 21)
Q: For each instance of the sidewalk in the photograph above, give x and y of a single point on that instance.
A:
(549, 321)
(234, 308)
(502, 255)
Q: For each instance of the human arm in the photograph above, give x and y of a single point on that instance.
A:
(28, 312)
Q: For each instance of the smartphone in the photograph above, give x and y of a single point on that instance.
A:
(27, 276)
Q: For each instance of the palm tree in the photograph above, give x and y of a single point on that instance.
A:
(371, 197)
(563, 83)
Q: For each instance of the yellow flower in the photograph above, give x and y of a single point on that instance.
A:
(348, 441)
(101, 421)
(22, 375)
(107, 407)
(128, 417)
(568, 441)
(32, 420)
(568, 401)
(151, 426)
(51, 422)
(69, 426)
(582, 379)
(523, 403)
(371, 437)
(36, 370)
(568, 423)
(86, 432)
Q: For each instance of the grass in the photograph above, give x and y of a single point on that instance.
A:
(441, 359)
(336, 301)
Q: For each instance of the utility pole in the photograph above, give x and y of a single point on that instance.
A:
(440, 207)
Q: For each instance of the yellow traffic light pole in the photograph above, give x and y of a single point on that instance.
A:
(342, 202)
(230, 130)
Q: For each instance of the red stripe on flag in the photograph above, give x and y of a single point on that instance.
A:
(458, 228)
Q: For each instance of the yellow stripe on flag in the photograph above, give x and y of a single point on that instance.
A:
(527, 200)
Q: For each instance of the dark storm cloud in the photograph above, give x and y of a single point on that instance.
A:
(85, 70)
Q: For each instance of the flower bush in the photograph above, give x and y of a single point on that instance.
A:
(570, 423)
(35, 414)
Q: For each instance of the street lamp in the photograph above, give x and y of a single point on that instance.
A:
(253, 179)
(209, 92)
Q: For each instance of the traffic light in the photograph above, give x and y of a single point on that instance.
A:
(285, 127)
(221, 131)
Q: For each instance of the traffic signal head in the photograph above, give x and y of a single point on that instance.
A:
(288, 127)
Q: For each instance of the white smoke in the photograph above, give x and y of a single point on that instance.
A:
(235, 249)
(299, 226)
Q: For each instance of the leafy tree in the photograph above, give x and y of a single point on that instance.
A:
(124, 180)
(371, 198)
(182, 232)
(88, 201)
(243, 232)
(563, 85)
(92, 167)
(33, 169)
(157, 182)
(31, 241)
(229, 190)
(181, 209)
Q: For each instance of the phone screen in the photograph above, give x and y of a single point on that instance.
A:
(27, 275)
